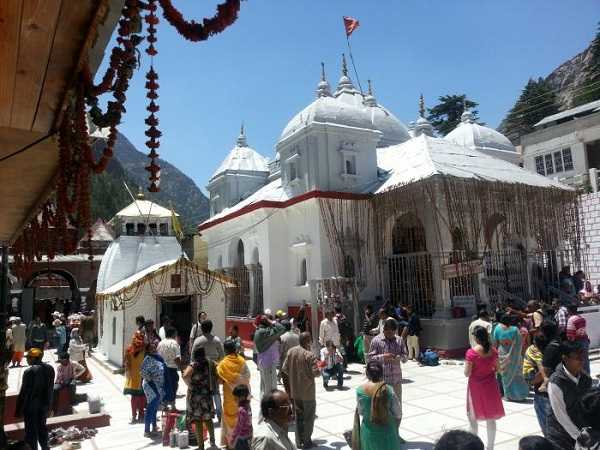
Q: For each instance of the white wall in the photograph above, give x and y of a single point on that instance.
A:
(146, 305)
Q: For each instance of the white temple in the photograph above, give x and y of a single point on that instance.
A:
(268, 228)
(146, 272)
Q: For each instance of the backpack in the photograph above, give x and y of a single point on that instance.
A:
(430, 358)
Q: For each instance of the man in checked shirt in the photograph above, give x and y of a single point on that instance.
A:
(390, 350)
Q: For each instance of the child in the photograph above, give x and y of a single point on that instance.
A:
(242, 433)
(234, 335)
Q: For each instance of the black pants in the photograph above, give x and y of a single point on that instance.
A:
(35, 428)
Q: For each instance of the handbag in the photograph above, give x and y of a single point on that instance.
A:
(356, 431)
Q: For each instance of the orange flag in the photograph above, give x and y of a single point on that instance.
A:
(350, 24)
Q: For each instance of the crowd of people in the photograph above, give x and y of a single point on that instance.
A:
(541, 351)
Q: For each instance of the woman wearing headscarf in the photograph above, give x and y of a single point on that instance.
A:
(134, 357)
(232, 371)
(200, 378)
(76, 352)
(380, 410)
(153, 381)
(508, 342)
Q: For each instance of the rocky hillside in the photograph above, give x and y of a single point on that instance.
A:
(569, 76)
(109, 195)
(564, 82)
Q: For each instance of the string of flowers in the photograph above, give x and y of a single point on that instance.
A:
(227, 14)
(153, 133)
(55, 230)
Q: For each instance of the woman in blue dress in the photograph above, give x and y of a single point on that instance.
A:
(153, 381)
(507, 340)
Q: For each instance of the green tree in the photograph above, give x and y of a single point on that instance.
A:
(445, 116)
(537, 100)
(590, 89)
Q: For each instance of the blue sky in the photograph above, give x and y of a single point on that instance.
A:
(265, 68)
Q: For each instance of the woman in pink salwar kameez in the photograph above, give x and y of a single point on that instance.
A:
(483, 395)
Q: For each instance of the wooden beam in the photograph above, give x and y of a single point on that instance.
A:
(25, 178)
(10, 26)
(72, 28)
(38, 27)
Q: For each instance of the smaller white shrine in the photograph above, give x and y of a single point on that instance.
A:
(145, 272)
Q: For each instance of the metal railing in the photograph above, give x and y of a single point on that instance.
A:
(246, 298)
(410, 282)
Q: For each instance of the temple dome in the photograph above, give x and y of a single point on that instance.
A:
(348, 107)
(482, 138)
(242, 158)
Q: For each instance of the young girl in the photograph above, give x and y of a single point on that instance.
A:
(242, 433)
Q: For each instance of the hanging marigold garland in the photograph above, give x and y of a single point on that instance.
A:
(55, 229)
(227, 14)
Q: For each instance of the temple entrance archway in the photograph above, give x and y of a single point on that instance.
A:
(410, 280)
(47, 291)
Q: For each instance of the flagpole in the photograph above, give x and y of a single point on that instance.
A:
(353, 65)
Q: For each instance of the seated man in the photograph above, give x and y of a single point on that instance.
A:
(332, 364)
(67, 372)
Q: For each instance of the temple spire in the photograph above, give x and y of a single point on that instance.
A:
(241, 140)
(370, 98)
(467, 115)
(421, 106)
(422, 125)
(345, 84)
(323, 89)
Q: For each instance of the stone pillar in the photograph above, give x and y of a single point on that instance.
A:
(252, 288)
(27, 299)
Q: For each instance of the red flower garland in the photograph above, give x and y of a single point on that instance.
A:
(71, 205)
(152, 86)
(227, 14)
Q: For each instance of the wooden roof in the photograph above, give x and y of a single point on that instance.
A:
(42, 44)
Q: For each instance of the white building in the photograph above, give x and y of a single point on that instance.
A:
(145, 272)
(350, 193)
(566, 145)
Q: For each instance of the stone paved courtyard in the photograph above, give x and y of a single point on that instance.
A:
(434, 401)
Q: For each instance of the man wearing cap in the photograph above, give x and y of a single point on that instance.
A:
(35, 399)
(19, 337)
(266, 343)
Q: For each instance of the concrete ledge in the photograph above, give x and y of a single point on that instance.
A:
(447, 336)
(80, 420)
(103, 361)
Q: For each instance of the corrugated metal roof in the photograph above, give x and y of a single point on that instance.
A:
(591, 106)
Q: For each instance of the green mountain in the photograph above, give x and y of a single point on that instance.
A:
(109, 194)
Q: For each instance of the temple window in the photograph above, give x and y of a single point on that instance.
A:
(303, 275)
(350, 164)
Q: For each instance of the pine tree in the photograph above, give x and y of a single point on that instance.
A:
(537, 100)
(445, 116)
(590, 89)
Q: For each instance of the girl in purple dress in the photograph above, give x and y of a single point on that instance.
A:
(483, 396)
